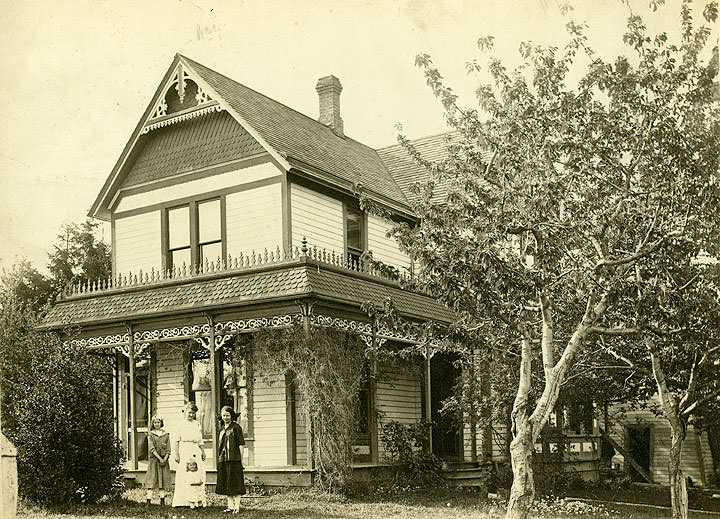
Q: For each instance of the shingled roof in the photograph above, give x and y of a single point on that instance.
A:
(303, 140)
(298, 278)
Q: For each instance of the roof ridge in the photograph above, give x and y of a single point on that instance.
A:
(419, 139)
(315, 121)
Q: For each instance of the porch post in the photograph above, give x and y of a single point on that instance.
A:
(473, 424)
(309, 433)
(374, 454)
(133, 418)
(214, 396)
(428, 407)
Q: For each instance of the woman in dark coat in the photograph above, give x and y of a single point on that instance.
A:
(230, 477)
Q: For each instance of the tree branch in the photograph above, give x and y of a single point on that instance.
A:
(637, 255)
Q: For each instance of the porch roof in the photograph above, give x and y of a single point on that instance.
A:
(290, 279)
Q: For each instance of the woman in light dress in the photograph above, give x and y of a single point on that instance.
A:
(190, 457)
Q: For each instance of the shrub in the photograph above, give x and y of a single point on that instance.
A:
(56, 409)
(406, 446)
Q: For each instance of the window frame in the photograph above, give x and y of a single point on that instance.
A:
(194, 222)
(353, 252)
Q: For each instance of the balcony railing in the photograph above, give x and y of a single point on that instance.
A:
(365, 265)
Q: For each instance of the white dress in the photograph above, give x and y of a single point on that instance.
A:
(189, 433)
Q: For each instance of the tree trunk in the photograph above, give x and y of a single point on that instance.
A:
(522, 491)
(678, 482)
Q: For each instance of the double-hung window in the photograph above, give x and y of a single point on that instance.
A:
(354, 234)
(194, 234)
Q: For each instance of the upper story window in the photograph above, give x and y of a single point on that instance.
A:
(194, 234)
(354, 233)
(209, 231)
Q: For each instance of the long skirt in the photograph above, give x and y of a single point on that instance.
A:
(158, 476)
(187, 490)
(230, 478)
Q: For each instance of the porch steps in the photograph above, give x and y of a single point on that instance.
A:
(465, 474)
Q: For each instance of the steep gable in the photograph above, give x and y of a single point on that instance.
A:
(164, 144)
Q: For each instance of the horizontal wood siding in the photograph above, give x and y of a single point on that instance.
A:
(624, 417)
(317, 217)
(398, 397)
(254, 220)
(300, 430)
(198, 187)
(170, 388)
(269, 416)
(137, 243)
(385, 248)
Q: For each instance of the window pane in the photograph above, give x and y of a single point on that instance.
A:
(179, 227)
(354, 229)
(211, 251)
(209, 221)
(180, 257)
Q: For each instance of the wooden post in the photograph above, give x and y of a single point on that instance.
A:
(214, 397)
(701, 460)
(309, 433)
(290, 430)
(473, 424)
(372, 396)
(428, 406)
(133, 418)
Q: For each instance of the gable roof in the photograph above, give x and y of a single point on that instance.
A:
(295, 140)
(303, 140)
(406, 171)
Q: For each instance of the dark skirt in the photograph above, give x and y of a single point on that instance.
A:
(230, 478)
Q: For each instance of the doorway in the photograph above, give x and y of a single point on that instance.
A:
(446, 437)
(638, 442)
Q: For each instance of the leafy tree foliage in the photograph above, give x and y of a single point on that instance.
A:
(57, 410)
(78, 256)
(56, 399)
(559, 197)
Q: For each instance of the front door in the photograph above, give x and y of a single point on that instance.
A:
(446, 429)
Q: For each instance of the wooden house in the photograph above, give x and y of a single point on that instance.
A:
(232, 212)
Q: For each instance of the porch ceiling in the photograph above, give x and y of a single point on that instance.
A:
(292, 280)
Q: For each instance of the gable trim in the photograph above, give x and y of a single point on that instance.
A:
(96, 210)
(229, 109)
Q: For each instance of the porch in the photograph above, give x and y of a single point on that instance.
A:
(172, 339)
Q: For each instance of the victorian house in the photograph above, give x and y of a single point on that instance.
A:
(232, 212)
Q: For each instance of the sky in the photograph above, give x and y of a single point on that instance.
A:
(78, 74)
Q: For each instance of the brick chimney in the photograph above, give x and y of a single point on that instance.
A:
(328, 89)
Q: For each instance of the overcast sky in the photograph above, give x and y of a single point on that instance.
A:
(77, 75)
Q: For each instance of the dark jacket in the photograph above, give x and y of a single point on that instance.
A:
(229, 442)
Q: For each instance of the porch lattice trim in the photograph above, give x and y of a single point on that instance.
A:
(224, 330)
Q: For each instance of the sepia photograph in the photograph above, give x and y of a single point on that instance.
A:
(360, 258)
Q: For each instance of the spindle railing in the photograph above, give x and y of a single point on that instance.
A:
(233, 264)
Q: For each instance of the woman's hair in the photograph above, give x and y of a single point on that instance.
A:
(158, 418)
(190, 406)
(230, 410)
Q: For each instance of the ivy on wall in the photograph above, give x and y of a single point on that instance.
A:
(327, 371)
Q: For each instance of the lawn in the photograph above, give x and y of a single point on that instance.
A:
(436, 503)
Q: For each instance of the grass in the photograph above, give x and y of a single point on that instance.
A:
(308, 504)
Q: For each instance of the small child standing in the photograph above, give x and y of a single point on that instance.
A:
(158, 472)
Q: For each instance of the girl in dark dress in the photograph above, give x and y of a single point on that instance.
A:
(230, 477)
(157, 478)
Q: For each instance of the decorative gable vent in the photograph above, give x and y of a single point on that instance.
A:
(182, 99)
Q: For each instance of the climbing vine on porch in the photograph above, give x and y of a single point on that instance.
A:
(327, 371)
